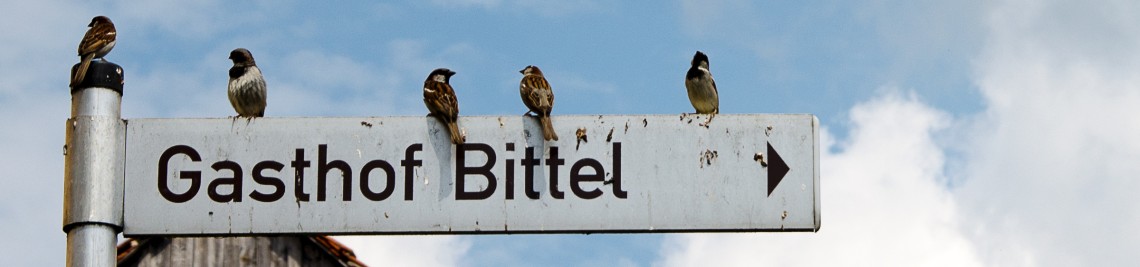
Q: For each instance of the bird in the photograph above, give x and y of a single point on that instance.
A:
(439, 97)
(701, 87)
(96, 43)
(539, 98)
(247, 87)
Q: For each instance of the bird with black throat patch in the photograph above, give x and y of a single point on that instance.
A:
(96, 43)
(539, 98)
(439, 97)
(247, 90)
(701, 87)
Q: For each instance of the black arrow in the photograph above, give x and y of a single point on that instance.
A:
(776, 169)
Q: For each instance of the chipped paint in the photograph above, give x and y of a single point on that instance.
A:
(581, 137)
(707, 157)
(664, 188)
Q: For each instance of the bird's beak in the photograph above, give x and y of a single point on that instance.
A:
(523, 71)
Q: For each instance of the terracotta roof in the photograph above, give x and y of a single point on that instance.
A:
(337, 249)
(127, 248)
(330, 245)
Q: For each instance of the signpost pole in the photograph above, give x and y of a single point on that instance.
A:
(93, 167)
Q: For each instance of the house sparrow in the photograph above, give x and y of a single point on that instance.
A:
(538, 97)
(96, 43)
(702, 88)
(440, 100)
(247, 87)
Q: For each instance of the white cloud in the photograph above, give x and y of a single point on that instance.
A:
(193, 21)
(1045, 175)
(579, 83)
(306, 82)
(721, 19)
(1052, 163)
(312, 82)
(881, 198)
(34, 104)
(29, 51)
(182, 19)
(570, 87)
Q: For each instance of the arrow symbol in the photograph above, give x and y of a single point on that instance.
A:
(776, 169)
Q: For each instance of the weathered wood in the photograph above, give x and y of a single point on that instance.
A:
(274, 251)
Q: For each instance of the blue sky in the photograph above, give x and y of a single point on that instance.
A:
(957, 132)
(773, 58)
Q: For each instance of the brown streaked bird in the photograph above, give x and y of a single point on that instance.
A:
(440, 100)
(247, 89)
(539, 98)
(701, 87)
(96, 43)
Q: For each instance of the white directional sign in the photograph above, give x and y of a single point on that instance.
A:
(401, 175)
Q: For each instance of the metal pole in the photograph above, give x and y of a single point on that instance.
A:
(93, 167)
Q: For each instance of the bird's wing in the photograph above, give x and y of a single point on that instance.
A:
(440, 99)
(94, 40)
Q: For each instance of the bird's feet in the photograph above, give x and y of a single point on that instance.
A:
(708, 121)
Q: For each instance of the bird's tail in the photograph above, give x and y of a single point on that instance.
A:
(547, 128)
(81, 72)
(456, 136)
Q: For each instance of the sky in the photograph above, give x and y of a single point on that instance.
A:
(955, 133)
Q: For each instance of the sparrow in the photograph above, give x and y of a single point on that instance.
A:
(247, 86)
(440, 100)
(538, 97)
(96, 43)
(702, 88)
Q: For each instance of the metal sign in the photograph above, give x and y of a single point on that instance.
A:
(401, 175)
